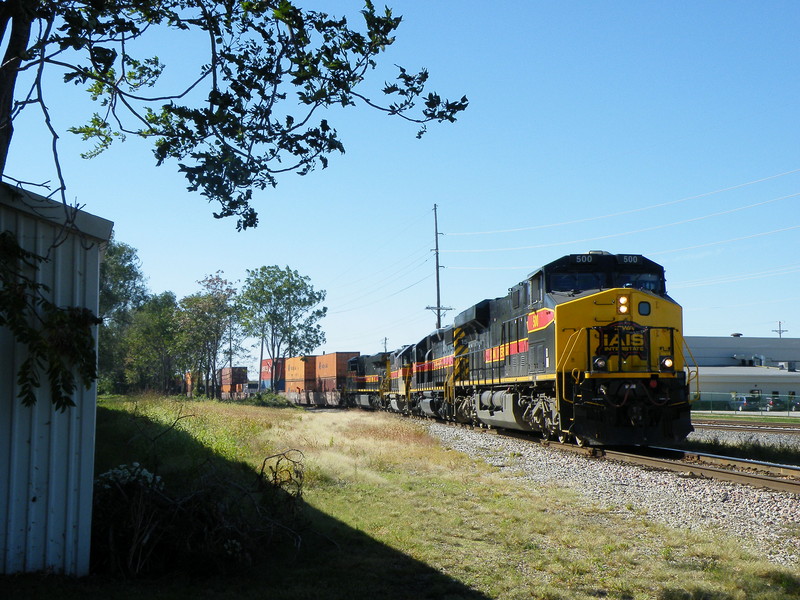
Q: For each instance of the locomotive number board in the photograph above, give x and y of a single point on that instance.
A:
(623, 259)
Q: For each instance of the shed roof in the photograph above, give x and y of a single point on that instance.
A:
(44, 209)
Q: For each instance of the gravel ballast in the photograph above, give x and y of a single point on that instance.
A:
(766, 522)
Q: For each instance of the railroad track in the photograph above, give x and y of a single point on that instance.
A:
(782, 478)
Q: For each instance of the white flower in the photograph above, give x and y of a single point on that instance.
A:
(135, 473)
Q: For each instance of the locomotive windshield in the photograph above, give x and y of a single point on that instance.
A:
(652, 282)
(576, 281)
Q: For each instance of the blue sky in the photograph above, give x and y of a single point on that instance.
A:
(668, 129)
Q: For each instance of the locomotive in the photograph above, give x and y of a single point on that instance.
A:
(588, 348)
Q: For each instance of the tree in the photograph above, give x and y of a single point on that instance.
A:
(282, 310)
(152, 345)
(267, 68)
(122, 291)
(122, 283)
(204, 320)
(266, 71)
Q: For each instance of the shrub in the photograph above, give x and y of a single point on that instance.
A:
(220, 526)
(269, 399)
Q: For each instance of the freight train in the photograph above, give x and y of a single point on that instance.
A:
(588, 348)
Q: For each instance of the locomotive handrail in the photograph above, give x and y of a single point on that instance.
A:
(572, 342)
(694, 374)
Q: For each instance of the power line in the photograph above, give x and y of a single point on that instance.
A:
(382, 298)
(728, 241)
(759, 303)
(739, 277)
(685, 248)
(627, 212)
(365, 291)
(624, 233)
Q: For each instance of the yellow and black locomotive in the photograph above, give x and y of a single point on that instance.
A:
(588, 348)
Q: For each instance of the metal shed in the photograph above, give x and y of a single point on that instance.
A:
(47, 456)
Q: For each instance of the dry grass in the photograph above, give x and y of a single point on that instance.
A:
(387, 478)
(391, 514)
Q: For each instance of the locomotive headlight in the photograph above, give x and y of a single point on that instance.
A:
(667, 363)
(600, 363)
(623, 305)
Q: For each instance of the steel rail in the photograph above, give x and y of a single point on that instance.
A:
(744, 463)
(699, 470)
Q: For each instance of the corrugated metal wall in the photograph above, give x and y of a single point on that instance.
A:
(47, 457)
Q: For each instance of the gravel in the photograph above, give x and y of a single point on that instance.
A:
(766, 522)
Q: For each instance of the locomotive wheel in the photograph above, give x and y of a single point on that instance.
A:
(563, 437)
(581, 442)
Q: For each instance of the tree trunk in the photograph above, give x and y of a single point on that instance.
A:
(261, 361)
(20, 13)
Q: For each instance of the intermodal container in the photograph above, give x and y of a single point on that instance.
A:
(332, 377)
(233, 375)
(301, 380)
(276, 367)
(334, 365)
(300, 372)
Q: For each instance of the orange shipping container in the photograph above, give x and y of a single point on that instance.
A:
(300, 371)
(333, 365)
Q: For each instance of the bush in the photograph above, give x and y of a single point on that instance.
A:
(269, 399)
(221, 526)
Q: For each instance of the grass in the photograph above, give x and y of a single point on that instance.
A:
(747, 416)
(751, 448)
(391, 514)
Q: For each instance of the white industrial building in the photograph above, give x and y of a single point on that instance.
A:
(760, 368)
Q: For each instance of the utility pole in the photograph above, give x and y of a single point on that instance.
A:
(438, 309)
(780, 330)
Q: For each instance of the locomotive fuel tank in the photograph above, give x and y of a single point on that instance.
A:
(501, 409)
